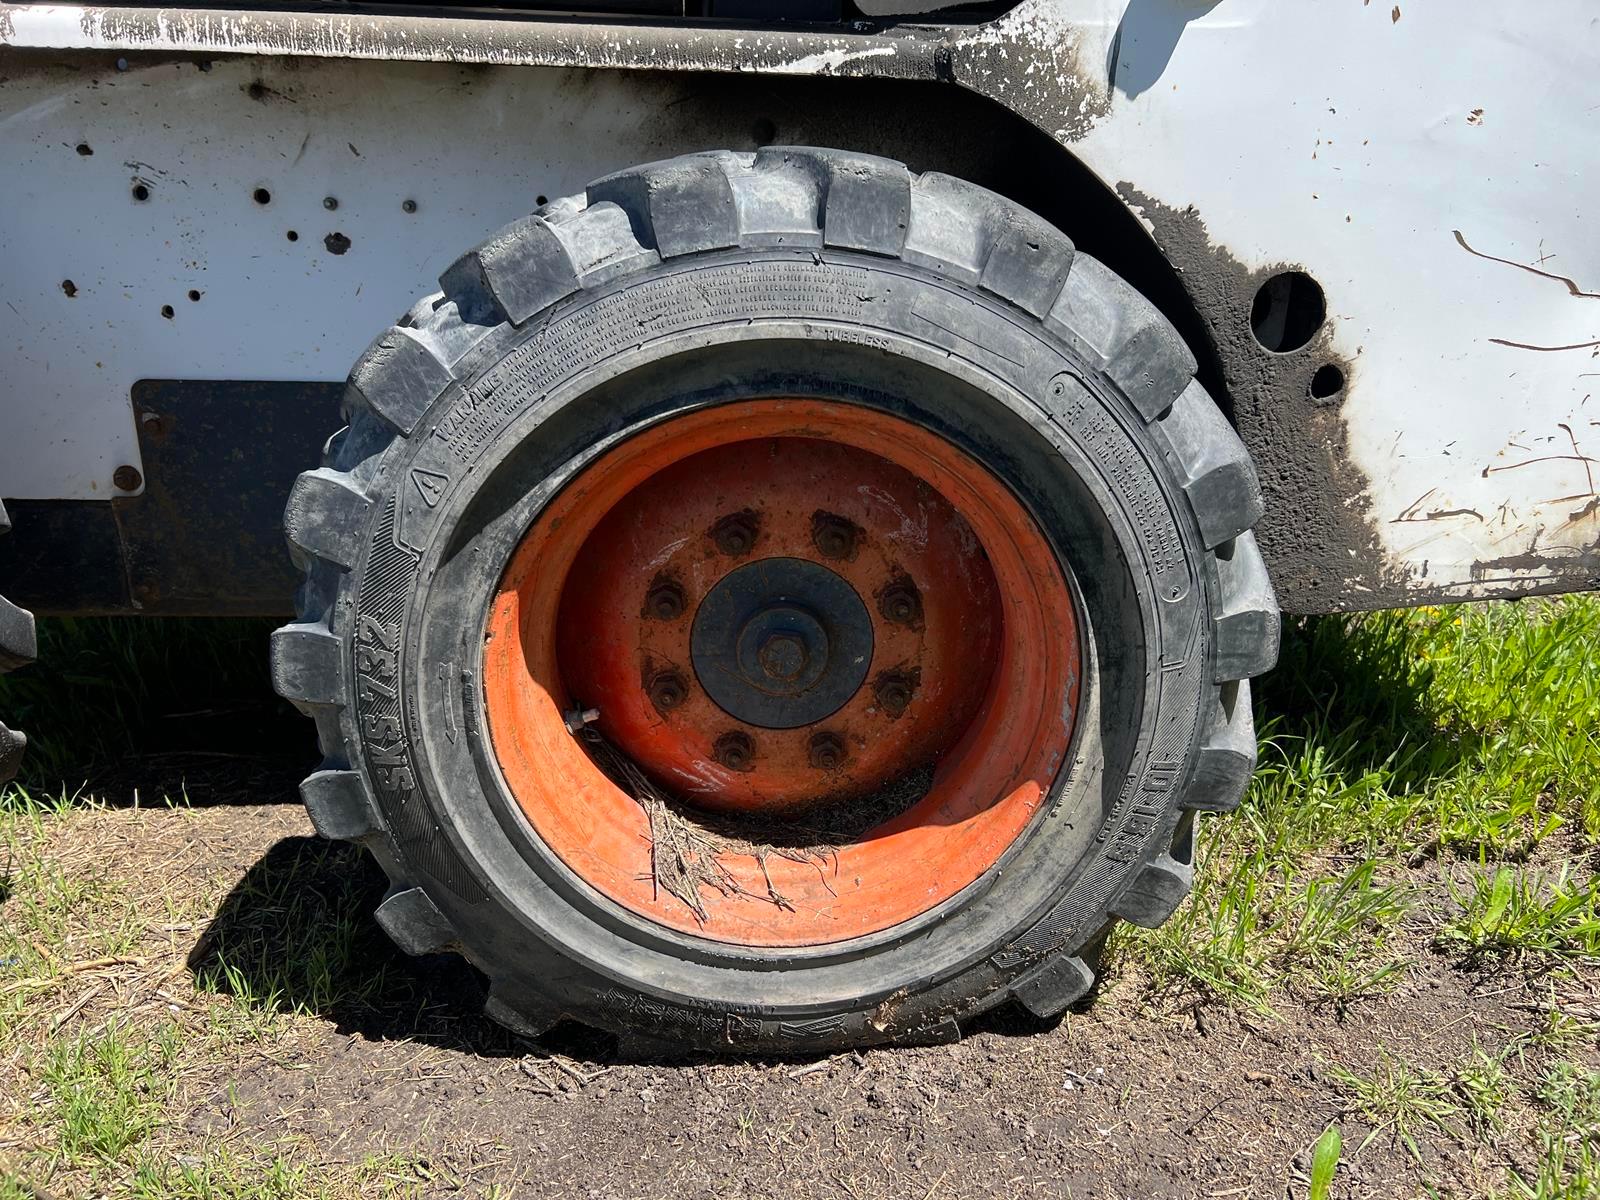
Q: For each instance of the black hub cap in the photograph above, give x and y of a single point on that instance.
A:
(781, 643)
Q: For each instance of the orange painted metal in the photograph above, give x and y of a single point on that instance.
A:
(610, 647)
(995, 655)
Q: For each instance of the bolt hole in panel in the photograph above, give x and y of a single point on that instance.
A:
(1327, 383)
(1287, 311)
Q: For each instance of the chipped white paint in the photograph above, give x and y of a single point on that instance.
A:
(501, 42)
(1356, 140)
(1431, 171)
(829, 62)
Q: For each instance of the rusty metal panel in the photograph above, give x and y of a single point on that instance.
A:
(205, 535)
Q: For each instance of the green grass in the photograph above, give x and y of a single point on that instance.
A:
(1429, 785)
(106, 1091)
(285, 947)
(1514, 912)
(55, 919)
(103, 1110)
(1396, 1097)
(1465, 734)
(1544, 1122)
(1568, 1136)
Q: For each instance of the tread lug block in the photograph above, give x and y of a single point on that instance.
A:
(1028, 263)
(777, 207)
(867, 202)
(419, 313)
(1153, 368)
(397, 378)
(1218, 476)
(679, 207)
(968, 232)
(19, 644)
(1227, 756)
(531, 1016)
(415, 924)
(338, 805)
(1246, 630)
(13, 744)
(1140, 351)
(524, 268)
(306, 667)
(951, 229)
(1047, 989)
(326, 517)
(600, 243)
(1156, 892)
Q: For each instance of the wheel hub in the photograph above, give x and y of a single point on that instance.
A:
(781, 643)
(783, 609)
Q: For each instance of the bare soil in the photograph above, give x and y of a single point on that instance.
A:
(1126, 1096)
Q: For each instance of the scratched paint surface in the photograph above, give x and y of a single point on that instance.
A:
(1429, 164)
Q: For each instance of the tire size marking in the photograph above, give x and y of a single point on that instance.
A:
(377, 669)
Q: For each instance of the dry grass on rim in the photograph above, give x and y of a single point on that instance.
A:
(688, 844)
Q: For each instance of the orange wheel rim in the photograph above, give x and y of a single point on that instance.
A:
(957, 657)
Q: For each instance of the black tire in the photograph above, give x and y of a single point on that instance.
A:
(644, 297)
(18, 647)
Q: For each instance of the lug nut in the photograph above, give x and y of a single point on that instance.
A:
(667, 691)
(735, 534)
(834, 536)
(734, 750)
(827, 752)
(894, 691)
(664, 601)
(901, 603)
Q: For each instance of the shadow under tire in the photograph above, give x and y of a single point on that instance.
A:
(18, 647)
(814, 312)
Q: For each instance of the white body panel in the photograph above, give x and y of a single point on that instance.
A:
(1360, 141)
(1395, 155)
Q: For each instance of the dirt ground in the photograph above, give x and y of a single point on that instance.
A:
(1127, 1096)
